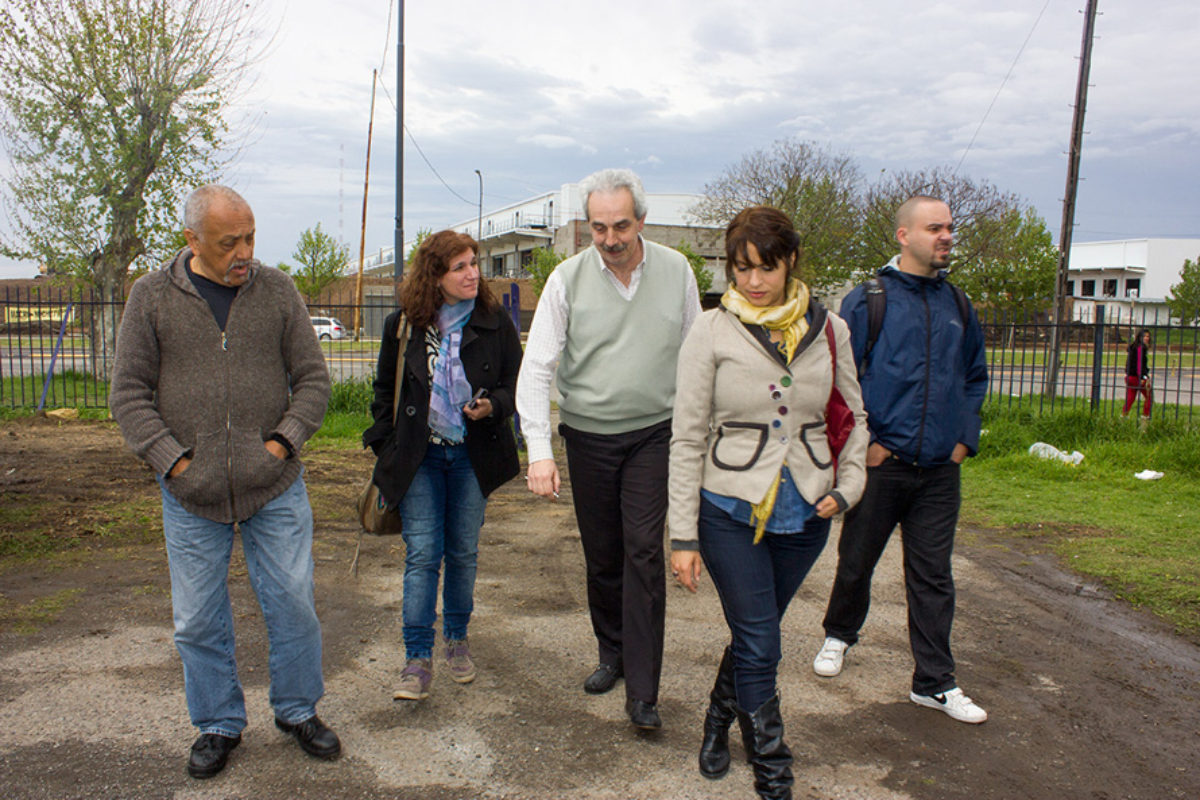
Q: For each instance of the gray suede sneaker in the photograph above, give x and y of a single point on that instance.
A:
(458, 661)
(414, 680)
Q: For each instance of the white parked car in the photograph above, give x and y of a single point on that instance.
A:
(328, 328)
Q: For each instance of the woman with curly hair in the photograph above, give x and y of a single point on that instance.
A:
(451, 443)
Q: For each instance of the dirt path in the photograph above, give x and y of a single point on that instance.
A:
(1087, 698)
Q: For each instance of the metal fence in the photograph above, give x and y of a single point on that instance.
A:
(1092, 363)
(53, 353)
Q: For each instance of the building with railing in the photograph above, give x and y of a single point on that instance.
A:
(555, 220)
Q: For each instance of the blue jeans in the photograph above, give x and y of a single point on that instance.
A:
(277, 542)
(756, 583)
(442, 513)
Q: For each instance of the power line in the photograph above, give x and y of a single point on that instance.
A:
(1002, 85)
(432, 169)
(425, 158)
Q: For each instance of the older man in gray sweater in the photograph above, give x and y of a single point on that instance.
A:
(219, 382)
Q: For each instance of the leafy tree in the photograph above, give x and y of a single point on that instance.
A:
(704, 278)
(112, 111)
(322, 260)
(1018, 269)
(544, 261)
(1184, 299)
(422, 235)
(972, 203)
(818, 189)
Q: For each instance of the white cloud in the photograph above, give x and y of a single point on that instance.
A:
(683, 89)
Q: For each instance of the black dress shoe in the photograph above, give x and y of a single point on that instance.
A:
(209, 754)
(314, 736)
(603, 679)
(643, 715)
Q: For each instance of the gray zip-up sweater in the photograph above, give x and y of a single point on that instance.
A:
(181, 387)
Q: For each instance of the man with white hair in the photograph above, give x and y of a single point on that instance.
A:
(609, 325)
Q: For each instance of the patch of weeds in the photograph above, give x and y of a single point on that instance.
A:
(29, 618)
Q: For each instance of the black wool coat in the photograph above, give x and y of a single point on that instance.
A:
(491, 357)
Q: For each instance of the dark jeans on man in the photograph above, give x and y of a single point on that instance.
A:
(756, 582)
(619, 482)
(924, 502)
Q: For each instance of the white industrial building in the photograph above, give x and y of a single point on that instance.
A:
(1130, 278)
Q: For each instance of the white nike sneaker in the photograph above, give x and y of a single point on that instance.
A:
(829, 661)
(954, 703)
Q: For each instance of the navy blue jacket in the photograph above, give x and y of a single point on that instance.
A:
(926, 377)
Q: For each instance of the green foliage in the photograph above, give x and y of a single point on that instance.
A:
(1016, 264)
(818, 189)
(1184, 299)
(704, 278)
(847, 231)
(113, 112)
(351, 396)
(543, 263)
(322, 261)
(422, 235)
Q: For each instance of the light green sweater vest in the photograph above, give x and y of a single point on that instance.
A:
(617, 370)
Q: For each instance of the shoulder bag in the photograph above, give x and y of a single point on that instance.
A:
(373, 514)
(839, 419)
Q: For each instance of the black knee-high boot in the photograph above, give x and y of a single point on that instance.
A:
(770, 757)
(722, 710)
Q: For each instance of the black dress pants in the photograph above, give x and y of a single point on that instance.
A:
(924, 502)
(619, 482)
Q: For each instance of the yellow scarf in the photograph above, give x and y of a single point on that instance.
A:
(788, 318)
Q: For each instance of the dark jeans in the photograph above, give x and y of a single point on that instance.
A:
(924, 502)
(619, 482)
(756, 583)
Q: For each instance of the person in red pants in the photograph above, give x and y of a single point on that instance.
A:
(1137, 374)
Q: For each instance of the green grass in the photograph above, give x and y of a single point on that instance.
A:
(68, 389)
(27, 618)
(1137, 537)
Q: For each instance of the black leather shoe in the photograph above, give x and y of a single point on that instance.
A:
(602, 680)
(643, 715)
(314, 736)
(209, 754)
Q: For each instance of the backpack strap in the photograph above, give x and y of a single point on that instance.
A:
(877, 306)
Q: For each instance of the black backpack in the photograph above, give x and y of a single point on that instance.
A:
(877, 305)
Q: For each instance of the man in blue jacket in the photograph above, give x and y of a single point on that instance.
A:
(923, 378)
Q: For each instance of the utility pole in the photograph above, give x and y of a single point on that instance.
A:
(1068, 217)
(362, 234)
(398, 240)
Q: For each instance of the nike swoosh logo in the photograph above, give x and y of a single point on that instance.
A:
(941, 698)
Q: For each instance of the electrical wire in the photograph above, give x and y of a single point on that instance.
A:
(1001, 89)
(413, 139)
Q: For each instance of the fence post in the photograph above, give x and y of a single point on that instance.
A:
(1097, 356)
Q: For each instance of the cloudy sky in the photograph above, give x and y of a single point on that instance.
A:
(535, 94)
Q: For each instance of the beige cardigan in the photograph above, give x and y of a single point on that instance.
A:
(740, 415)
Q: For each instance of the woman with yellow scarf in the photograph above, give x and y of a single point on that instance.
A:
(753, 479)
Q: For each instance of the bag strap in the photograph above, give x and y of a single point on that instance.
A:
(832, 351)
(402, 345)
(402, 339)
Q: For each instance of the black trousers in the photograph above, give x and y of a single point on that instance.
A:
(924, 502)
(619, 482)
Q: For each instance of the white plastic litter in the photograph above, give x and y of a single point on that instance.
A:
(1043, 450)
(1147, 475)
